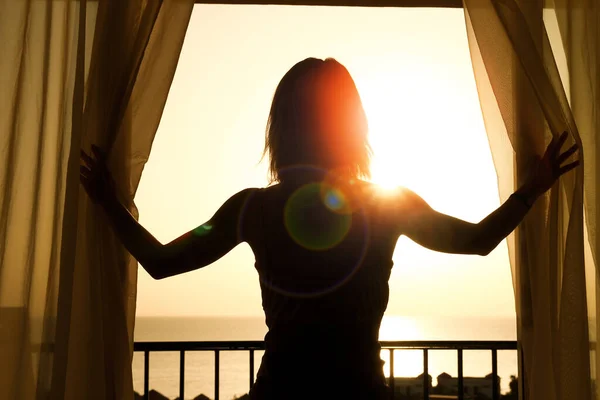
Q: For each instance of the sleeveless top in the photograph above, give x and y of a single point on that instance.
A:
(324, 266)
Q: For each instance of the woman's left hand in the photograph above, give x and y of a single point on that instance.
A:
(550, 167)
(95, 177)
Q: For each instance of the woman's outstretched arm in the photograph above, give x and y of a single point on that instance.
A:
(195, 249)
(447, 234)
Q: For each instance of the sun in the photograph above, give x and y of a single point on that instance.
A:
(384, 173)
(388, 138)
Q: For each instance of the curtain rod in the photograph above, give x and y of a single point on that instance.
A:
(344, 3)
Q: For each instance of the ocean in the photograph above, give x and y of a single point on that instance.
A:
(234, 367)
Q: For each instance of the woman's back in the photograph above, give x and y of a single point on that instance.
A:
(323, 267)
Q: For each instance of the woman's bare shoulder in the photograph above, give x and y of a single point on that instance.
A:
(393, 195)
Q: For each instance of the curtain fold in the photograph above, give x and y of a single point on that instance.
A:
(39, 43)
(75, 72)
(579, 26)
(520, 89)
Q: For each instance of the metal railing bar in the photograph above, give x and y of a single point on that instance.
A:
(196, 346)
(522, 374)
(450, 344)
(146, 374)
(495, 386)
(181, 374)
(251, 368)
(461, 388)
(259, 345)
(392, 383)
(425, 374)
(216, 374)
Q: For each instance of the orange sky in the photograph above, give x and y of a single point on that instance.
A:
(413, 70)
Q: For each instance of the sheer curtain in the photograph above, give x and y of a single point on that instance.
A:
(524, 105)
(579, 26)
(74, 73)
(41, 51)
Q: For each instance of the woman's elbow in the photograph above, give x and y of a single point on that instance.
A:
(470, 246)
(154, 270)
(480, 243)
(483, 252)
(167, 267)
(158, 276)
(483, 249)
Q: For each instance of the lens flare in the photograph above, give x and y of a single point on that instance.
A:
(334, 199)
(340, 194)
(310, 218)
(203, 229)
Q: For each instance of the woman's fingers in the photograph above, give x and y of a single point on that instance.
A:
(99, 153)
(556, 144)
(568, 153)
(567, 168)
(561, 141)
(85, 182)
(90, 171)
(85, 171)
(89, 161)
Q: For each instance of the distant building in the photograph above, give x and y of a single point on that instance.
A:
(408, 388)
(475, 388)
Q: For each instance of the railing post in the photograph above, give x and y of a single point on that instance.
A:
(461, 388)
(425, 375)
(146, 374)
(495, 383)
(216, 374)
(181, 373)
(392, 383)
(251, 368)
(521, 372)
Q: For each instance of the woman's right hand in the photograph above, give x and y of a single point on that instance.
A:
(95, 177)
(549, 168)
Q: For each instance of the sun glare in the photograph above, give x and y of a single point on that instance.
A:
(408, 363)
(413, 146)
(387, 134)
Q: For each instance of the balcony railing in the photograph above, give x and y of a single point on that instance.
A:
(252, 346)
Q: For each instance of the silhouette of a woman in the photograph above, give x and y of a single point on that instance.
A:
(323, 238)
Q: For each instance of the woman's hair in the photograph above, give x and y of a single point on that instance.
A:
(317, 120)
